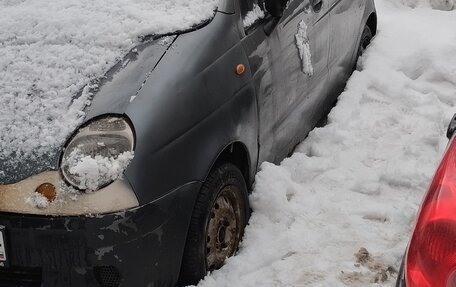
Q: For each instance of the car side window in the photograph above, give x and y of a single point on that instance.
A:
(253, 13)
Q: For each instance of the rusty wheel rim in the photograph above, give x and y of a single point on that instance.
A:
(224, 228)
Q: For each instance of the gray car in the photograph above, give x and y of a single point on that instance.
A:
(201, 109)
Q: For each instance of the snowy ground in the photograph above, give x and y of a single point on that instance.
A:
(357, 182)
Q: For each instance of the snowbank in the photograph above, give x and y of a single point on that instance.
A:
(50, 50)
(357, 182)
(436, 4)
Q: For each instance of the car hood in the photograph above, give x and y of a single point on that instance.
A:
(111, 95)
(58, 55)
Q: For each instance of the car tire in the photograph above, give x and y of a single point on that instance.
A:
(366, 39)
(217, 224)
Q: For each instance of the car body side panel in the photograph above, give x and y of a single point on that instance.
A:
(305, 92)
(192, 106)
(266, 76)
(288, 99)
(348, 18)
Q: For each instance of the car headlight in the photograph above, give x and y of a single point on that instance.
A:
(98, 153)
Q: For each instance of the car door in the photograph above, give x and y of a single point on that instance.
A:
(304, 23)
(267, 69)
(346, 16)
(290, 73)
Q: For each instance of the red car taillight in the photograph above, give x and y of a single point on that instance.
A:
(431, 258)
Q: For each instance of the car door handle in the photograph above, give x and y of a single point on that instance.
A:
(316, 5)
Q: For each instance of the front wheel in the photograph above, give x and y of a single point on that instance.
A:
(217, 224)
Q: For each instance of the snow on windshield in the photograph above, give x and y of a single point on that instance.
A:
(51, 49)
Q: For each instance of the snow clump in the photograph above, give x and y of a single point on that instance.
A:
(253, 16)
(37, 200)
(302, 42)
(93, 172)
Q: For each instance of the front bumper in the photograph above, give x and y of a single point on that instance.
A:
(138, 247)
(117, 196)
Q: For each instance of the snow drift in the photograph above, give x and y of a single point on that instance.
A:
(436, 4)
(52, 50)
(353, 186)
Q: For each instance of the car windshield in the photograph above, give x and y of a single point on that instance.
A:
(51, 50)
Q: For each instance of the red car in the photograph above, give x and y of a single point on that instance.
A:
(430, 260)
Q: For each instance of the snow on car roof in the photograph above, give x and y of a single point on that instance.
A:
(51, 49)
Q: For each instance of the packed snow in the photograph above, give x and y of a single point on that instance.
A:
(253, 16)
(50, 51)
(339, 211)
(302, 42)
(93, 172)
(436, 4)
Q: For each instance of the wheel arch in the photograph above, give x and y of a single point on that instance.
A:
(236, 153)
(372, 23)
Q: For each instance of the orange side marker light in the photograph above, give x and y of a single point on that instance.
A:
(47, 190)
(240, 69)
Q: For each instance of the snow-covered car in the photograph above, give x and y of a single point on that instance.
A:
(127, 161)
(430, 259)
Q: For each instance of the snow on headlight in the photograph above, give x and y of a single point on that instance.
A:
(98, 154)
(90, 173)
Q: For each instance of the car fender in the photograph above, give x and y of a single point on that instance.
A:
(190, 108)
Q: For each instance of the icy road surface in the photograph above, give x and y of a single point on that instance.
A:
(357, 182)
